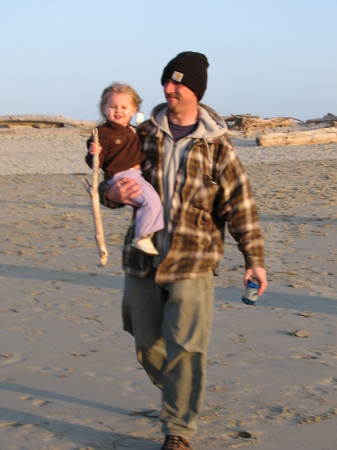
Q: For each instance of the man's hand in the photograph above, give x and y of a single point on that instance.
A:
(260, 274)
(124, 191)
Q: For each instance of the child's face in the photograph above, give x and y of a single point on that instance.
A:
(119, 108)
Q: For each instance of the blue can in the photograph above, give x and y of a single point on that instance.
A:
(250, 295)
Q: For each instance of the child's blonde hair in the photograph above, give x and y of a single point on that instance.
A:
(117, 88)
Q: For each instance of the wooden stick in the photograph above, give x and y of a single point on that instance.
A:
(96, 209)
(87, 185)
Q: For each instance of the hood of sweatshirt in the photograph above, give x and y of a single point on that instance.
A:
(211, 125)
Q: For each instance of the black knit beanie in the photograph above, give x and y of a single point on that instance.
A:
(189, 69)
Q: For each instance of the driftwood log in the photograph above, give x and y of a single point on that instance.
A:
(37, 121)
(328, 118)
(320, 136)
(96, 209)
(234, 121)
(252, 124)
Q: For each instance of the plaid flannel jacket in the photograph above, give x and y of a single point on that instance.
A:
(211, 189)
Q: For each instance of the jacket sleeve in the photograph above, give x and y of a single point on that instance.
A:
(88, 157)
(103, 187)
(238, 208)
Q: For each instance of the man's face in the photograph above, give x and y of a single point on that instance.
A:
(179, 98)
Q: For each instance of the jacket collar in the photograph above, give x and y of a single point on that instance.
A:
(211, 125)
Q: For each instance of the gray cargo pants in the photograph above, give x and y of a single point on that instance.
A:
(171, 325)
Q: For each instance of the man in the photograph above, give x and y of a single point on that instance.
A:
(168, 301)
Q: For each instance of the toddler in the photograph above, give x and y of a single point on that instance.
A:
(121, 156)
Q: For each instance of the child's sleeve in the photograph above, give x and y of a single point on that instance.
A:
(88, 157)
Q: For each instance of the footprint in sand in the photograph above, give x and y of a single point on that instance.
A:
(35, 335)
(10, 358)
(35, 401)
(218, 388)
(243, 437)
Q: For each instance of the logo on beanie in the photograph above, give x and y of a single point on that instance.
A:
(177, 76)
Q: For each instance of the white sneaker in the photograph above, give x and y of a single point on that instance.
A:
(144, 244)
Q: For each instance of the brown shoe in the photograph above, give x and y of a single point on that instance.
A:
(176, 442)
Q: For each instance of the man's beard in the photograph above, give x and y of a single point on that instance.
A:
(172, 107)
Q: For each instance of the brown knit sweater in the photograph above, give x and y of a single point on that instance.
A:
(121, 149)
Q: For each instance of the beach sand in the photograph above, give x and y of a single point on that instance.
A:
(69, 378)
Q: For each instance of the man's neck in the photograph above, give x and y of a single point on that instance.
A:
(184, 118)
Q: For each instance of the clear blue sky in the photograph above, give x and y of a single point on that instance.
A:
(267, 57)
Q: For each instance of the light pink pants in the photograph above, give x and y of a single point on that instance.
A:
(149, 215)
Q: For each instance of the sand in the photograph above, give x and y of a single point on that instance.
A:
(69, 378)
